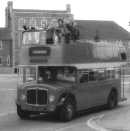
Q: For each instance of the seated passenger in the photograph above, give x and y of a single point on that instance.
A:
(55, 38)
(74, 31)
(44, 76)
(50, 34)
(62, 32)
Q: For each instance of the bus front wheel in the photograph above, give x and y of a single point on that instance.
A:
(67, 111)
(112, 100)
(22, 113)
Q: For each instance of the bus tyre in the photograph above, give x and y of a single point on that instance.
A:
(112, 100)
(22, 113)
(67, 111)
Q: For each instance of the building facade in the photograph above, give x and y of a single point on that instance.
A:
(5, 48)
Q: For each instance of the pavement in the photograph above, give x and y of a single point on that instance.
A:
(8, 77)
(116, 122)
(117, 119)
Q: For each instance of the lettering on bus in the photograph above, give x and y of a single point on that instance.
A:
(39, 51)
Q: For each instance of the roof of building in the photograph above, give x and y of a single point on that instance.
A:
(5, 34)
(106, 30)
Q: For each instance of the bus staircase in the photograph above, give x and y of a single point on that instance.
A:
(125, 80)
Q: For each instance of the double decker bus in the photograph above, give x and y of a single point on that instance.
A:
(66, 78)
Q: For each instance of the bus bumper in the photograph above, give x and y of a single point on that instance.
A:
(37, 108)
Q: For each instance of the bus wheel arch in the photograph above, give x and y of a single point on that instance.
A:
(112, 100)
(67, 110)
(22, 113)
(66, 96)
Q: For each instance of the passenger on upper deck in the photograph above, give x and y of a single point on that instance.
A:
(50, 36)
(74, 31)
(68, 31)
(62, 32)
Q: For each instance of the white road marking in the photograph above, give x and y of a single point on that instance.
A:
(92, 124)
(68, 127)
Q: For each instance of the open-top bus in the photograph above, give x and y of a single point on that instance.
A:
(66, 78)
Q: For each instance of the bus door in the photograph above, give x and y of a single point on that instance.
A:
(88, 90)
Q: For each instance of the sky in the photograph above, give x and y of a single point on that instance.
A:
(113, 10)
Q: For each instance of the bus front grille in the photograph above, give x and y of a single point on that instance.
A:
(37, 96)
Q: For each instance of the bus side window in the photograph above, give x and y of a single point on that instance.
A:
(84, 78)
(101, 75)
(117, 73)
(110, 74)
(50, 34)
(92, 76)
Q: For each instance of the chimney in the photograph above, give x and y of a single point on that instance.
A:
(10, 7)
(68, 8)
(8, 14)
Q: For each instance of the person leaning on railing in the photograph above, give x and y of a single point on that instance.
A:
(62, 32)
(74, 31)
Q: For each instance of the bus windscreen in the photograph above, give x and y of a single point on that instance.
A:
(56, 74)
(34, 37)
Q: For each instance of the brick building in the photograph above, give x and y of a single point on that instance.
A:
(5, 47)
(16, 18)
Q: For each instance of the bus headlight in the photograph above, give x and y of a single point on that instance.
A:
(23, 97)
(51, 98)
(20, 87)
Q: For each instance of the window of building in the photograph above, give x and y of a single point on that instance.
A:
(0, 60)
(1, 44)
(8, 60)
